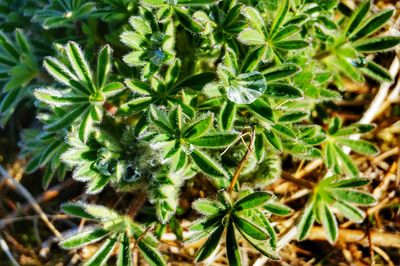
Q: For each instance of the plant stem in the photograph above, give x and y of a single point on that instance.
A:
(241, 164)
(136, 204)
(301, 182)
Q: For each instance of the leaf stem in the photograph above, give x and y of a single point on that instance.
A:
(301, 182)
(244, 159)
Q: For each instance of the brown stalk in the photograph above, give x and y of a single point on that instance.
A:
(241, 164)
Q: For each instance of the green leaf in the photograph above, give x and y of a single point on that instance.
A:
(251, 36)
(59, 71)
(350, 212)
(210, 245)
(112, 89)
(254, 17)
(285, 32)
(284, 91)
(277, 208)
(253, 59)
(232, 249)
(139, 87)
(354, 129)
(22, 41)
(79, 64)
(246, 227)
(252, 200)
(329, 222)
(207, 165)
(101, 212)
(358, 16)
(376, 72)
(198, 128)
(293, 116)
(373, 24)
(350, 182)
(281, 71)
(76, 209)
(227, 115)
(348, 69)
(173, 71)
(58, 98)
(284, 131)
(84, 238)
(330, 156)
(279, 16)
(103, 66)
(261, 245)
(124, 252)
(215, 140)
(291, 44)
(306, 221)
(66, 120)
(360, 146)
(246, 88)
(96, 185)
(102, 254)
(262, 109)
(8, 46)
(346, 161)
(273, 139)
(196, 81)
(354, 196)
(86, 126)
(187, 21)
(206, 207)
(377, 44)
(134, 106)
(151, 254)
(160, 119)
(334, 125)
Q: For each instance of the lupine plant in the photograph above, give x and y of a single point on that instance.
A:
(186, 92)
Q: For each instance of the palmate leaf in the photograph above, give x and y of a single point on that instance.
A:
(150, 254)
(376, 72)
(216, 140)
(354, 196)
(247, 88)
(207, 207)
(246, 227)
(198, 128)
(372, 24)
(359, 146)
(103, 253)
(306, 221)
(124, 251)
(281, 72)
(232, 249)
(207, 165)
(358, 16)
(284, 91)
(377, 44)
(227, 115)
(253, 200)
(350, 212)
(254, 17)
(84, 238)
(210, 245)
(329, 222)
(251, 36)
(260, 245)
(277, 208)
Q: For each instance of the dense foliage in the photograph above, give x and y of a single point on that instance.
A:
(150, 96)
